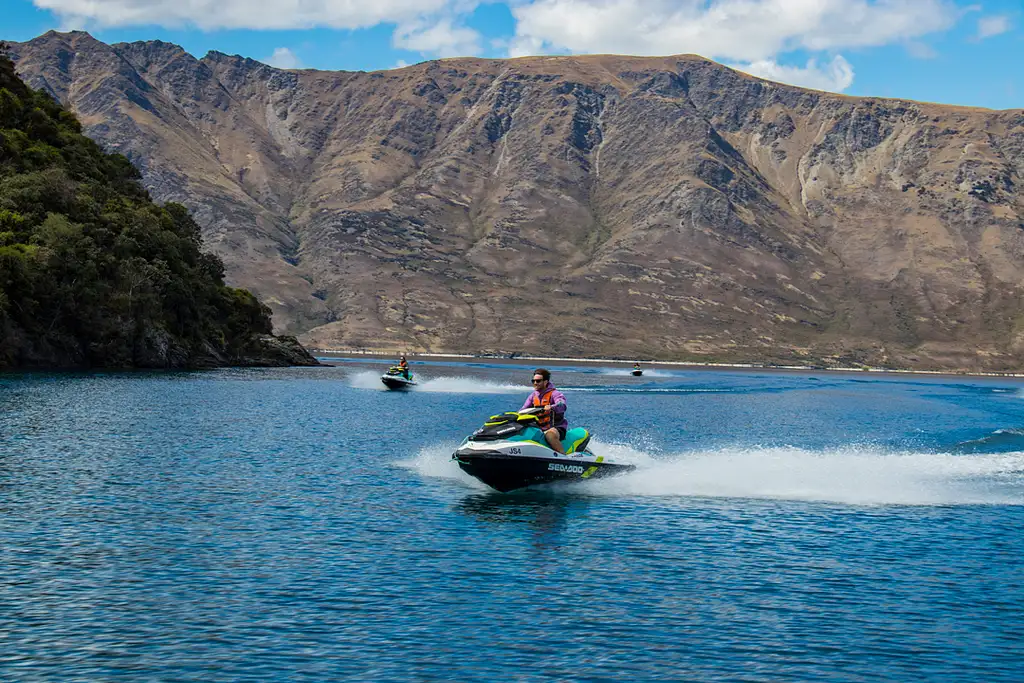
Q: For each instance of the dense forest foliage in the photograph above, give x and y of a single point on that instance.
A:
(92, 272)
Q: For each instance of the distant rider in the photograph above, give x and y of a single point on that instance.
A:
(552, 421)
(404, 364)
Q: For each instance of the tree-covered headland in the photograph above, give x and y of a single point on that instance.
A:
(92, 272)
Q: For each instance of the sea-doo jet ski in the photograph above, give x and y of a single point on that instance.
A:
(510, 452)
(397, 378)
(638, 372)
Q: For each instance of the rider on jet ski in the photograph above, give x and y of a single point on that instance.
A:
(404, 364)
(552, 421)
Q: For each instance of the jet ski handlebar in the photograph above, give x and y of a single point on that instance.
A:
(532, 411)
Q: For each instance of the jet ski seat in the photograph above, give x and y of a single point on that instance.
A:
(576, 439)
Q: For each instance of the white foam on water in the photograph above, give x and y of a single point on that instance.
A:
(851, 475)
(469, 385)
(368, 379)
(626, 389)
(436, 462)
(628, 372)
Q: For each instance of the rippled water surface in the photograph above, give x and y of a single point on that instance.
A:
(305, 524)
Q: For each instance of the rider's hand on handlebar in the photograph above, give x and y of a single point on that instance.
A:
(547, 408)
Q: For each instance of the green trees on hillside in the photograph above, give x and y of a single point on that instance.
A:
(92, 273)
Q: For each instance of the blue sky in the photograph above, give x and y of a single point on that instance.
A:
(949, 51)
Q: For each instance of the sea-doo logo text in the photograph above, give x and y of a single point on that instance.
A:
(505, 430)
(572, 469)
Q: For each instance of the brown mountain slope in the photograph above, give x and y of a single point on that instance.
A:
(600, 205)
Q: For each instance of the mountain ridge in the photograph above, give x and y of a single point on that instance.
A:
(661, 207)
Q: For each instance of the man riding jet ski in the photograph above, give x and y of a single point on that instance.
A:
(551, 420)
(515, 449)
(398, 376)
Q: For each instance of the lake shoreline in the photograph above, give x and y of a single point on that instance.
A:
(654, 365)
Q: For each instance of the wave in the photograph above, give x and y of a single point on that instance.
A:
(1000, 440)
(369, 379)
(852, 475)
(619, 389)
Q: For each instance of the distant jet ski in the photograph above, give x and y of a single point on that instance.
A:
(510, 452)
(636, 370)
(397, 378)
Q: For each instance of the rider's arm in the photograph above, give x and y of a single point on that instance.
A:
(558, 399)
(528, 403)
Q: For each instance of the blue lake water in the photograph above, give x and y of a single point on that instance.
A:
(305, 524)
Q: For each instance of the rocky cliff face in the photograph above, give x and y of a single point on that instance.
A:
(600, 205)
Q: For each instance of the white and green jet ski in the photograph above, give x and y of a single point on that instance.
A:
(398, 378)
(510, 452)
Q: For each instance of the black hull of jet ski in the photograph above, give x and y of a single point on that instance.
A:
(397, 383)
(507, 473)
(638, 373)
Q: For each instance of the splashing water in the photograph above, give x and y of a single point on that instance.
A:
(851, 475)
(628, 372)
(366, 380)
(469, 385)
(438, 385)
(436, 462)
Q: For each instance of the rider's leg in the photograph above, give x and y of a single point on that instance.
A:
(551, 436)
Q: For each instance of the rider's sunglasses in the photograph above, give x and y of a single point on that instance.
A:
(538, 379)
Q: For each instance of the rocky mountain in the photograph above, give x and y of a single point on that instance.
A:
(596, 205)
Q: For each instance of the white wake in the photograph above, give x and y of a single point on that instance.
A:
(853, 475)
(369, 379)
(628, 372)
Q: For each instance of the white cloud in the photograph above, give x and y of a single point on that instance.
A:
(738, 30)
(835, 76)
(993, 26)
(283, 58)
(756, 33)
(233, 14)
(442, 37)
(919, 50)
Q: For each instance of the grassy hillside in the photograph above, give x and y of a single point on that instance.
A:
(93, 273)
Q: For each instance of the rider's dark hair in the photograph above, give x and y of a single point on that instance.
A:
(546, 374)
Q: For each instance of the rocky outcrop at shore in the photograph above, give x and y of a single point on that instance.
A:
(93, 274)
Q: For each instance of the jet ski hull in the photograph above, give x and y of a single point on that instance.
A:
(396, 382)
(638, 373)
(515, 465)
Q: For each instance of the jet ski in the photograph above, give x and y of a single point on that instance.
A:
(396, 378)
(637, 372)
(510, 452)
